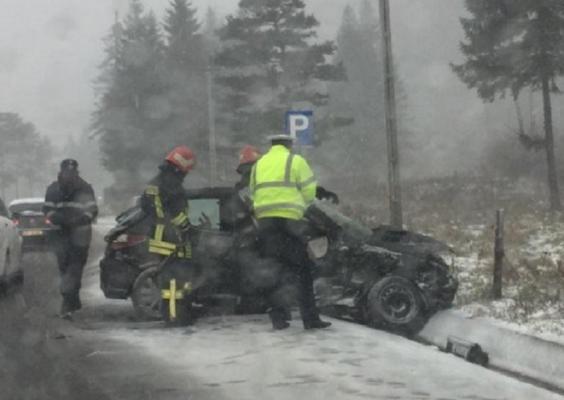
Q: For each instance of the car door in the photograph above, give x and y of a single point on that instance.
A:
(12, 244)
(4, 225)
(213, 243)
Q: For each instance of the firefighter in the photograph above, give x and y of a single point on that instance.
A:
(282, 186)
(70, 204)
(239, 214)
(165, 202)
(248, 156)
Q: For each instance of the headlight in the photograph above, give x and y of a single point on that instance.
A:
(318, 248)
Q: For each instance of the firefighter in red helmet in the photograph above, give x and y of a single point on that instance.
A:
(165, 202)
(248, 156)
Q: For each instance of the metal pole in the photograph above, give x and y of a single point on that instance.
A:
(499, 254)
(394, 186)
(211, 128)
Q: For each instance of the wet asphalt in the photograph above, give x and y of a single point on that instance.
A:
(43, 357)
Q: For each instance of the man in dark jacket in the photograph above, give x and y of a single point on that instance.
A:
(70, 204)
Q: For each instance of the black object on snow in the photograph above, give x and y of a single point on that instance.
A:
(471, 352)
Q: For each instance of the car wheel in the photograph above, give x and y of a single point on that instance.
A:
(395, 304)
(146, 295)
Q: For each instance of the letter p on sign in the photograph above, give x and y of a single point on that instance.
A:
(299, 124)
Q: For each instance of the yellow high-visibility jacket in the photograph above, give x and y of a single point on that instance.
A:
(166, 239)
(282, 185)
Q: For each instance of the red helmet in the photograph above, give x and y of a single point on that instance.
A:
(248, 155)
(182, 157)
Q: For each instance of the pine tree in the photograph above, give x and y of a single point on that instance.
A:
(269, 62)
(513, 45)
(210, 32)
(186, 64)
(133, 107)
(182, 34)
(21, 141)
(361, 145)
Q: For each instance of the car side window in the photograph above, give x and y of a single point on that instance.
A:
(209, 207)
(3, 210)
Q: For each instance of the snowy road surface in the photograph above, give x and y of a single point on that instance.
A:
(106, 354)
(240, 358)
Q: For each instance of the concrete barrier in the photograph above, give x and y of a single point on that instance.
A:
(515, 352)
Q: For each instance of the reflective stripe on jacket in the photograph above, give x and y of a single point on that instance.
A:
(157, 244)
(282, 185)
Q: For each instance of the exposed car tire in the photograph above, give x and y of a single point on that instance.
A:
(146, 295)
(395, 304)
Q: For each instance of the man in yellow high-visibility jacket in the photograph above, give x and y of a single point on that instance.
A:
(282, 186)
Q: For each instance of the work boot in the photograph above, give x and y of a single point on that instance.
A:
(316, 324)
(287, 315)
(277, 317)
(76, 303)
(280, 325)
(66, 308)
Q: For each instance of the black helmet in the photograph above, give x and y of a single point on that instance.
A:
(69, 164)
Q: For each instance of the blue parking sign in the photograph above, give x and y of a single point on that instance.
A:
(299, 124)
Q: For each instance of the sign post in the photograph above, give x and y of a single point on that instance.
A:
(299, 124)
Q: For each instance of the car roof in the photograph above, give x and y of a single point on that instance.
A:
(29, 200)
(210, 192)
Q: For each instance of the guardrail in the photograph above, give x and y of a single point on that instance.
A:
(537, 360)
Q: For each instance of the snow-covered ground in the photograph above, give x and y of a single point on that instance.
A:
(240, 357)
(533, 276)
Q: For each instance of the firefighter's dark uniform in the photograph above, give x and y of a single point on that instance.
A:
(238, 209)
(168, 207)
(253, 277)
(72, 208)
(282, 186)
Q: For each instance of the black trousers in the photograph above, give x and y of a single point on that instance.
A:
(285, 241)
(182, 270)
(71, 249)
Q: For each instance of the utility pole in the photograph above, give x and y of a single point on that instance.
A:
(499, 254)
(211, 129)
(394, 186)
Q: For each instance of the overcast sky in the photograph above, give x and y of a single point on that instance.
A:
(50, 50)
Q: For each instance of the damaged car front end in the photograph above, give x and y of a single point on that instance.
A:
(389, 279)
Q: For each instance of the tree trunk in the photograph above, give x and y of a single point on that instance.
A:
(519, 114)
(555, 204)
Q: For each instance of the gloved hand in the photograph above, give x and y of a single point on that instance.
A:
(82, 219)
(324, 194)
(57, 218)
(205, 222)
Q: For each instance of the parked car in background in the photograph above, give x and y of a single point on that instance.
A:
(10, 249)
(33, 226)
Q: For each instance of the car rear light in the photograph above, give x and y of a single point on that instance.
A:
(126, 240)
(16, 221)
(48, 221)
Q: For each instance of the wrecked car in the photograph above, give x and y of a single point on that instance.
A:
(393, 280)
(390, 279)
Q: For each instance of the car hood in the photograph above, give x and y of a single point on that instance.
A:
(328, 218)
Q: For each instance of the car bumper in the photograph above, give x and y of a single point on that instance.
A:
(33, 241)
